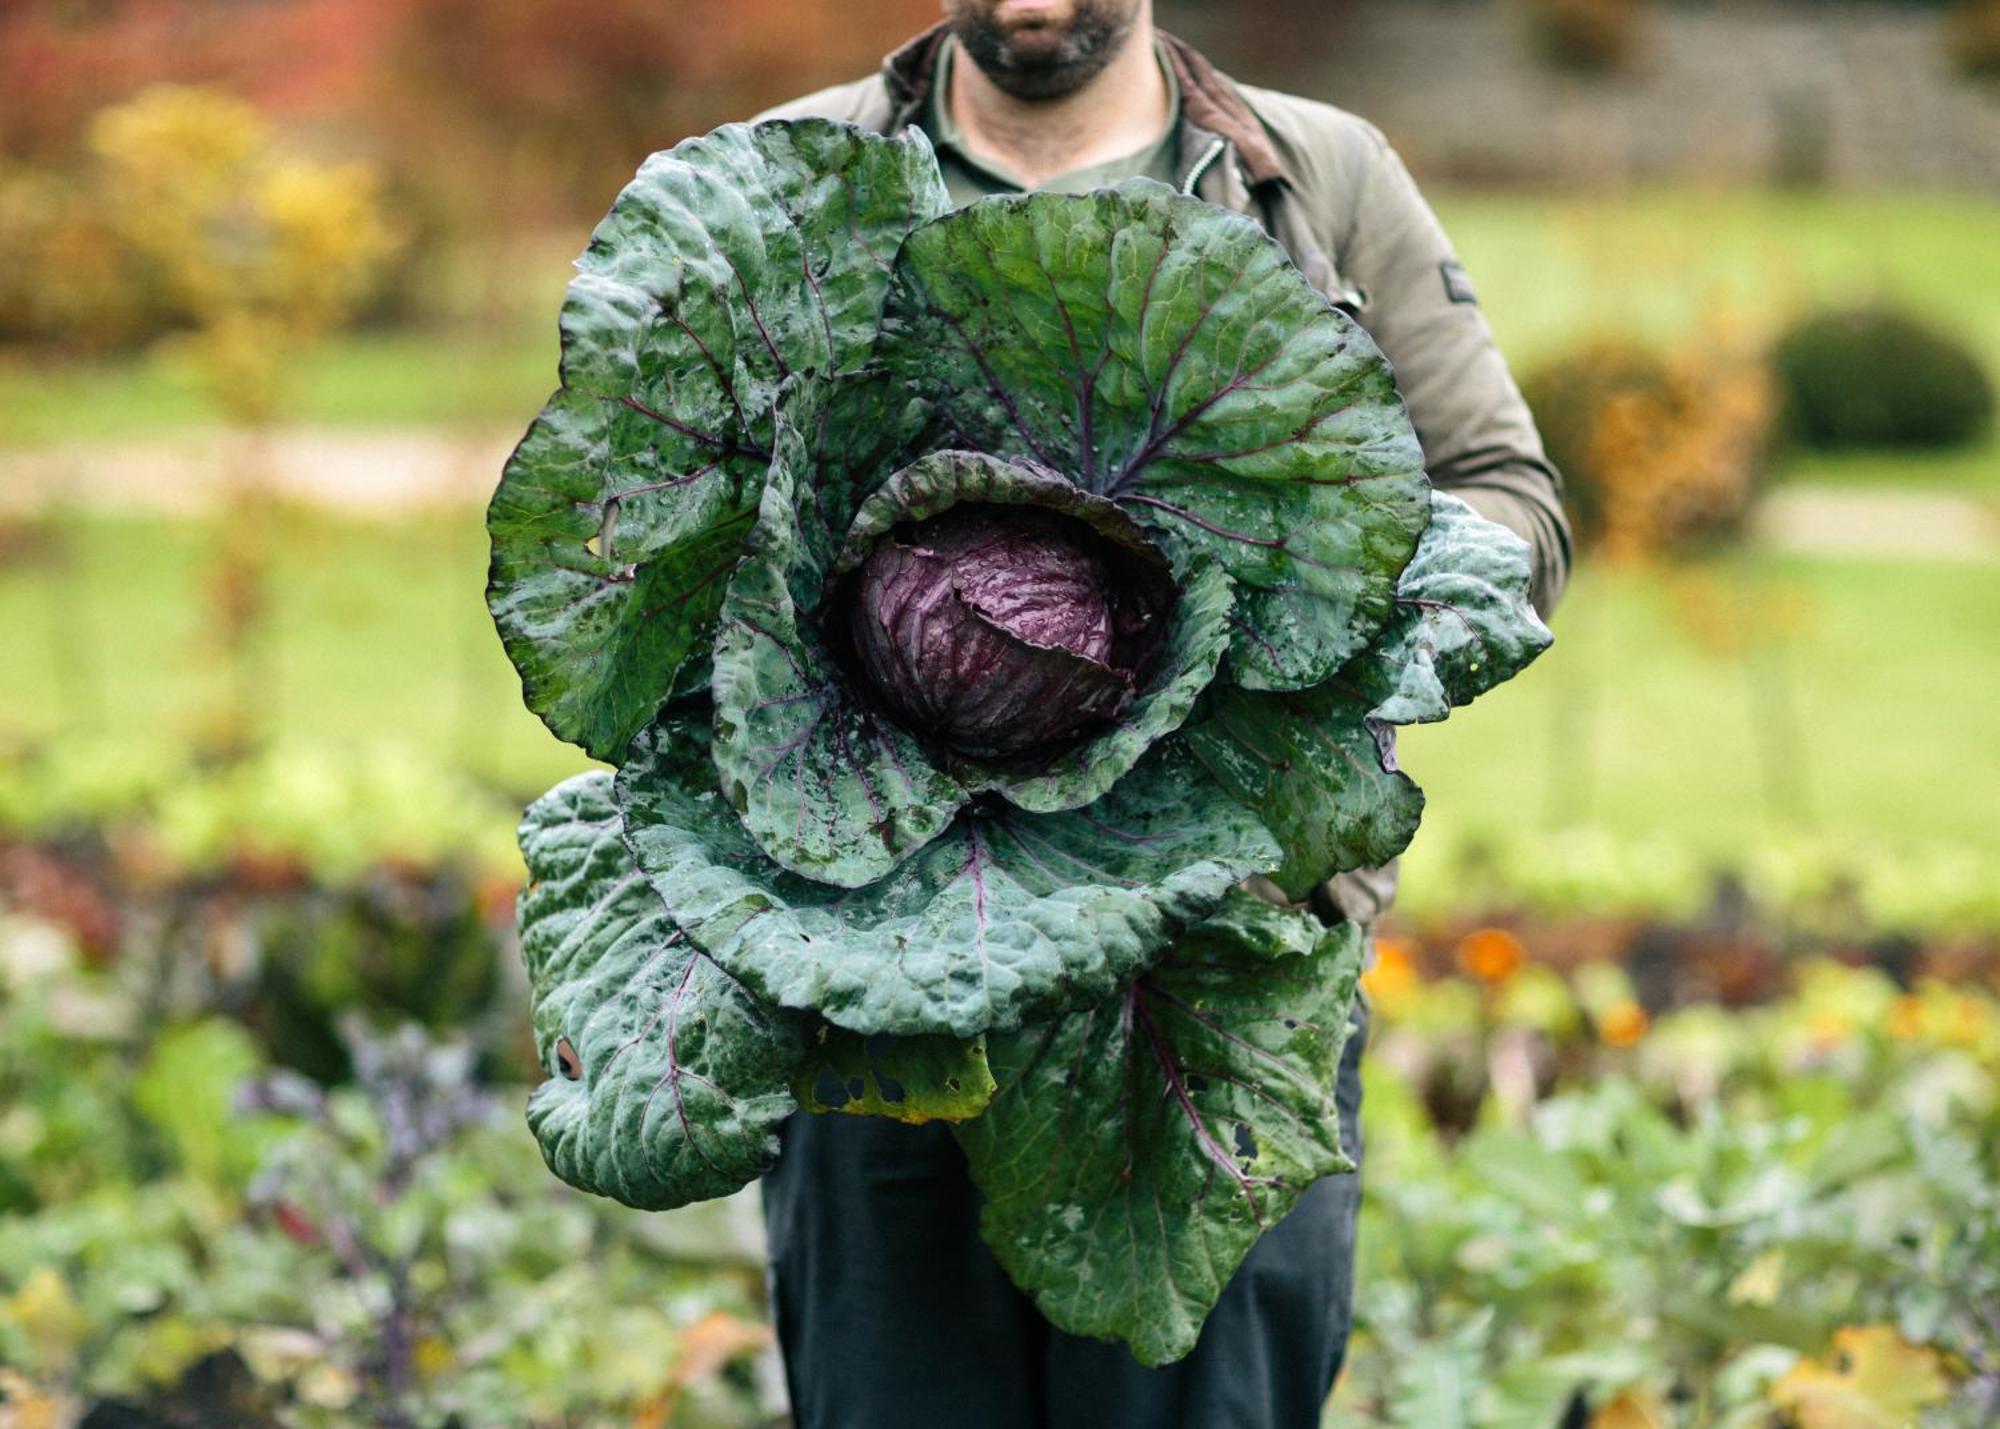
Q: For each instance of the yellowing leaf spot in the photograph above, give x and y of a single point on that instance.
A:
(1632, 1409)
(1760, 1281)
(47, 1316)
(1874, 1379)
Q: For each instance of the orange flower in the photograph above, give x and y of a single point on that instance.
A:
(1828, 1028)
(1969, 1026)
(1623, 1023)
(1906, 1018)
(1491, 954)
(1394, 977)
(1400, 951)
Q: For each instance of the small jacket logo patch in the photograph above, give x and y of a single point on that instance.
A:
(1457, 286)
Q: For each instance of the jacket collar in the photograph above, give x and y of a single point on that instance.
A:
(1209, 101)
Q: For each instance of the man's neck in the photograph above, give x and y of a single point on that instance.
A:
(1123, 108)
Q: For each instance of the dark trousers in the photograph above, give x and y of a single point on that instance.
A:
(892, 1313)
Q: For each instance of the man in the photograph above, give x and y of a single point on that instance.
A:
(891, 1312)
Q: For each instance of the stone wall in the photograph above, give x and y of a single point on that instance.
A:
(1853, 95)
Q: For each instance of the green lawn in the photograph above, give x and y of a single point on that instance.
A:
(1664, 265)
(1871, 718)
(1857, 738)
(369, 379)
(376, 631)
(1873, 712)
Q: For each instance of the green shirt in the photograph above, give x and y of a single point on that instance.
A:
(970, 178)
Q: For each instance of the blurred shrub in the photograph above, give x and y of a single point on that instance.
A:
(189, 1237)
(65, 276)
(287, 889)
(1586, 36)
(191, 217)
(1661, 451)
(259, 250)
(1874, 376)
(1975, 37)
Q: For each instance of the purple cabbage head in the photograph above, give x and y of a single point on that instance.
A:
(1005, 632)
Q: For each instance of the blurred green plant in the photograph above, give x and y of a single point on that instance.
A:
(258, 249)
(327, 812)
(1878, 376)
(1814, 884)
(287, 889)
(1691, 1217)
(192, 1238)
(1786, 1215)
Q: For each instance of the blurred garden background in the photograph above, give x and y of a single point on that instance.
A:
(1684, 1102)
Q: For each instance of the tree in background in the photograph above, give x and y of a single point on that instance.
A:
(257, 252)
(66, 278)
(62, 61)
(1664, 454)
(528, 104)
(492, 106)
(255, 249)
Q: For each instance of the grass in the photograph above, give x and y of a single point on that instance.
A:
(1645, 719)
(1865, 710)
(1665, 265)
(373, 631)
(373, 379)
(1969, 471)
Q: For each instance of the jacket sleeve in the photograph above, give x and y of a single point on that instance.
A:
(1478, 436)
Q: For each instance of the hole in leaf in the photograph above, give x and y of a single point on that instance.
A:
(567, 1062)
(1246, 1142)
(827, 1088)
(892, 1090)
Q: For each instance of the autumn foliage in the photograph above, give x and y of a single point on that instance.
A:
(1661, 451)
(557, 102)
(481, 119)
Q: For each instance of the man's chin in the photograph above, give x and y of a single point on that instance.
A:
(1035, 52)
(1034, 47)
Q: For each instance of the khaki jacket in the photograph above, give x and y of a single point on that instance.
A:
(1328, 187)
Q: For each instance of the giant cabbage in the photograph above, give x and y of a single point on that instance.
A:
(970, 603)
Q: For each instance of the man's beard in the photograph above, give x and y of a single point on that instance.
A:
(1041, 61)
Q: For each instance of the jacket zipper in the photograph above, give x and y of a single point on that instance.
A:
(1201, 165)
